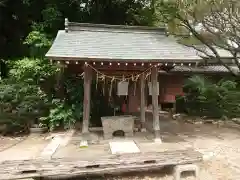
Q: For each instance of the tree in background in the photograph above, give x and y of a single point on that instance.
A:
(42, 19)
(212, 27)
(17, 18)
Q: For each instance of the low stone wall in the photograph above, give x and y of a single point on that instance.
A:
(115, 123)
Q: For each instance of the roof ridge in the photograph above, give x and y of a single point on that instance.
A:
(75, 26)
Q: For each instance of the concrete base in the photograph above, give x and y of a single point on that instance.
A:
(179, 169)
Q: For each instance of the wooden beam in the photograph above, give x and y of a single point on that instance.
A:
(87, 98)
(156, 124)
(142, 106)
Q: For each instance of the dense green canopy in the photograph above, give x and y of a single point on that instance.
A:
(18, 17)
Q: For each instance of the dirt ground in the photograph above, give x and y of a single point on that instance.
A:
(220, 147)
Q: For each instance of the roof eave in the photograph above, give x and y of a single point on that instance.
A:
(57, 58)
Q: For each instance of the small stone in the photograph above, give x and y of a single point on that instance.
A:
(190, 121)
(208, 156)
(176, 116)
(198, 122)
(158, 140)
(208, 121)
(83, 144)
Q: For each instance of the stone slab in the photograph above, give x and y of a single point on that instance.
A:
(121, 147)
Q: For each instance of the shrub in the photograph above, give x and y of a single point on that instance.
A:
(66, 111)
(205, 98)
(31, 71)
(60, 115)
(21, 104)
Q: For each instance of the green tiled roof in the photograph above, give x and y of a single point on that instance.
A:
(119, 43)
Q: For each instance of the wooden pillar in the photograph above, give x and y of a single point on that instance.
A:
(87, 98)
(156, 124)
(58, 85)
(142, 99)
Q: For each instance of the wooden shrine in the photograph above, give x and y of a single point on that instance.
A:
(122, 54)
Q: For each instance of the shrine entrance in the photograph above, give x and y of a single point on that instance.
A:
(118, 85)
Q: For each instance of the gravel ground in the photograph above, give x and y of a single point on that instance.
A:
(8, 142)
(210, 170)
(220, 146)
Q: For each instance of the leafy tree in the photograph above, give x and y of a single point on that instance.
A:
(38, 41)
(17, 19)
(211, 25)
(32, 71)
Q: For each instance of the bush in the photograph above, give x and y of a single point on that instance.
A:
(60, 115)
(31, 71)
(22, 100)
(21, 104)
(216, 100)
(66, 111)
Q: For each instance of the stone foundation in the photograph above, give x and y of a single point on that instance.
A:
(115, 123)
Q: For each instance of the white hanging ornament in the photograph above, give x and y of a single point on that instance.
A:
(132, 77)
(122, 89)
(111, 85)
(150, 88)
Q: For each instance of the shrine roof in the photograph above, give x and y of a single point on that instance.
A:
(81, 41)
(204, 69)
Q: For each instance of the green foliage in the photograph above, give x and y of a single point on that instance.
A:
(31, 70)
(205, 98)
(21, 104)
(51, 14)
(22, 101)
(60, 115)
(68, 110)
(38, 42)
(21, 98)
(18, 16)
(37, 39)
(74, 95)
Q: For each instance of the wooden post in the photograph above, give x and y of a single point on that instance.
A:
(58, 85)
(87, 98)
(156, 124)
(142, 106)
